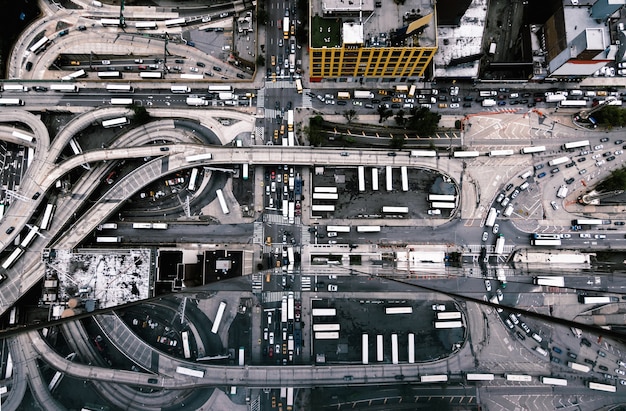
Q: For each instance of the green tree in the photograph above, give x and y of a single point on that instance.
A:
(400, 120)
(424, 122)
(617, 181)
(397, 141)
(140, 114)
(350, 115)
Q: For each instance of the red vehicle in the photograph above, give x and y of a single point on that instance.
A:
(273, 175)
(110, 178)
(271, 352)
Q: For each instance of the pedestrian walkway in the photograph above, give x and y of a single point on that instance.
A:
(257, 236)
(280, 84)
(307, 102)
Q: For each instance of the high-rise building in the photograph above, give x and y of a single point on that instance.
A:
(371, 39)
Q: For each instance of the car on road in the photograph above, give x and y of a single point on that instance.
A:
(485, 236)
(514, 319)
(200, 64)
(500, 197)
(193, 69)
(620, 372)
(586, 342)
(496, 228)
(40, 88)
(600, 352)
(515, 194)
(598, 147)
(555, 170)
(604, 140)
(538, 167)
(454, 105)
(554, 205)
(584, 235)
(105, 62)
(439, 307)
(590, 362)
(509, 323)
(392, 154)
(572, 355)
(332, 287)
(520, 336)
(216, 68)
(541, 175)
(582, 159)
(499, 294)
(525, 327)
(599, 236)
(610, 158)
(488, 285)
(623, 382)
(555, 360)
(619, 152)
(583, 171)
(508, 187)
(570, 180)
(10, 230)
(557, 350)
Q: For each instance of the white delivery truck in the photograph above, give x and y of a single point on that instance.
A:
(489, 102)
(555, 98)
(363, 94)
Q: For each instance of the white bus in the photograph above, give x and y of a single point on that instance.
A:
(411, 348)
(588, 221)
(325, 196)
(361, 170)
(533, 149)
(434, 378)
(324, 312)
(399, 310)
(144, 25)
(64, 88)
(395, 210)
(151, 74)
(109, 74)
(553, 381)
(185, 337)
(598, 300)
(448, 315)
(115, 122)
(479, 377)
(108, 239)
(572, 103)
(196, 101)
(365, 349)
(11, 102)
(245, 173)
(110, 22)
(368, 229)
(601, 387)
(29, 237)
(323, 208)
(14, 87)
(500, 244)
(560, 160)
(411, 92)
(17, 253)
(180, 89)
(491, 217)
(120, 88)
(394, 349)
(47, 216)
(175, 22)
(519, 377)
(325, 190)
(299, 85)
(576, 144)
(192, 179)
(23, 136)
(39, 45)
(578, 367)
(549, 281)
(218, 317)
(290, 255)
(500, 153)
(542, 242)
(439, 204)
(327, 335)
(189, 372)
(423, 153)
(77, 74)
(222, 200)
(374, 179)
(463, 154)
(326, 327)
(107, 226)
(405, 178)
(220, 88)
(448, 324)
(185, 76)
(441, 197)
(199, 157)
(389, 178)
(121, 101)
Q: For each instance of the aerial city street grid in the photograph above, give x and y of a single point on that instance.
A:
(323, 205)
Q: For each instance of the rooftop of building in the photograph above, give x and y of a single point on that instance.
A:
(464, 41)
(373, 23)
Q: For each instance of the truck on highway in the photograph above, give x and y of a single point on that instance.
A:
(489, 102)
(500, 244)
(292, 63)
(286, 28)
(555, 98)
(363, 94)
(196, 101)
(292, 212)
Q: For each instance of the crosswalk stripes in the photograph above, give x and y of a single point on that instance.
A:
(272, 296)
(306, 283)
(260, 98)
(257, 282)
(257, 234)
(280, 84)
(259, 132)
(271, 113)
